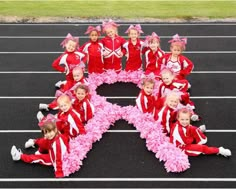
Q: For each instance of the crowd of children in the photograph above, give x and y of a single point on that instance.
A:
(171, 106)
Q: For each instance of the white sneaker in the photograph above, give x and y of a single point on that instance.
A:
(40, 116)
(37, 153)
(195, 117)
(43, 107)
(59, 83)
(15, 153)
(29, 143)
(224, 152)
(202, 128)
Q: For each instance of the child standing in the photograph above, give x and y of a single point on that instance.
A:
(69, 59)
(94, 50)
(113, 46)
(82, 103)
(58, 146)
(152, 54)
(190, 138)
(145, 100)
(174, 60)
(133, 48)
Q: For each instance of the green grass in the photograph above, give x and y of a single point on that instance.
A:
(120, 9)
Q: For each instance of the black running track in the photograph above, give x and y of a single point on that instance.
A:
(120, 159)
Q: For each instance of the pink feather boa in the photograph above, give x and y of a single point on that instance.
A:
(156, 141)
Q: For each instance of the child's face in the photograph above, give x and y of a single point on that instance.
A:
(78, 75)
(50, 134)
(133, 34)
(184, 119)
(80, 94)
(176, 50)
(111, 32)
(148, 88)
(93, 36)
(70, 46)
(167, 78)
(154, 44)
(64, 105)
(172, 102)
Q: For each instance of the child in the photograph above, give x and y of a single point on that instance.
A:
(152, 54)
(145, 100)
(133, 48)
(94, 49)
(42, 143)
(190, 138)
(174, 60)
(82, 103)
(113, 47)
(167, 115)
(69, 59)
(78, 78)
(58, 146)
(67, 113)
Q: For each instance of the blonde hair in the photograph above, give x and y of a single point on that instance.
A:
(184, 111)
(178, 43)
(172, 95)
(63, 98)
(82, 86)
(148, 80)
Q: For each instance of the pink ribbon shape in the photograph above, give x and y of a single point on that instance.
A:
(176, 38)
(137, 27)
(47, 119)
(92, 28)
(69, 37)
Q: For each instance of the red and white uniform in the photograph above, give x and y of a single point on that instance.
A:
(191, 140)
(67, 61)
(145, 103)
(112, 50)
(166, 116)
(44, 144)
(73, 117)
(67, 87)
(176, 85)
(84, 108)
(94, 52)
(134, 55)
(182, 67)
(57, 148)
(151, 61)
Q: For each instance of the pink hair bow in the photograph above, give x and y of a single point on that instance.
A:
(69, 37)
(92, 28)
(151, 37)
(137, 27)
(164, 67)
(176, 38)
(109, 23)
(68, 93)
(47, 119)
(187, 107)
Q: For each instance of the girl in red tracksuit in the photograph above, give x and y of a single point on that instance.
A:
(69, 59)
(82, 103)
(68, 114)
(67, 88)
(152, 54)
(94, 50)
(190, 138)
(113, 47)
(174, 60)
(133, 48)
(58, 146)
(145, 100)
(166, 116)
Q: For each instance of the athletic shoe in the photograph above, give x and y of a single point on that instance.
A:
(43, 107)
(29, 143)
(15, 153)
(224, 152)
(40, 116)
(202, 128)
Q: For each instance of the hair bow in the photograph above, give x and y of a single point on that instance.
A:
(69, 37)
(149, 38)
(92, 28)
(182, 107)
(176, 38)
(137, 27)
(108, 24)
(165, 68)
(47, 119)
(68, 93)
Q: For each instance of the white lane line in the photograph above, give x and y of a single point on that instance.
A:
(117, 179)
(86, 37)
(116, 131)
(55, 72)
(57, 52)
(114, 97)
(121, 23)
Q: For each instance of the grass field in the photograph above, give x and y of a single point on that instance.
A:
(120, 9)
